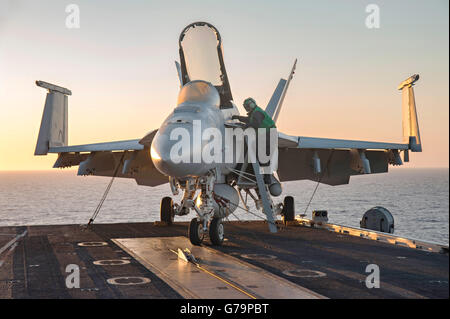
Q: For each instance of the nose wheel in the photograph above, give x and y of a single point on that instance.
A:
(216, 231)
(196, 233)
(167, 212)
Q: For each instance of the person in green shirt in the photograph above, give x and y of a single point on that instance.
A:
(256, 116)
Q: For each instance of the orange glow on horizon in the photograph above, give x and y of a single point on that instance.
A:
(120, 69)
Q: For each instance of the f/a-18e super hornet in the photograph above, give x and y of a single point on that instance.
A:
(214, 189)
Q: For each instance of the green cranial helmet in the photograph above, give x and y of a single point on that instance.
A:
(249, 104)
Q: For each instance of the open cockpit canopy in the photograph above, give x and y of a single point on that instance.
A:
(201, 58)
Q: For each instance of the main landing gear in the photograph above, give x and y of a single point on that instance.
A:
(288, 212)
(167, 211)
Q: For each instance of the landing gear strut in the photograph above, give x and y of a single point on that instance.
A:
(209, 217)
(167, 210)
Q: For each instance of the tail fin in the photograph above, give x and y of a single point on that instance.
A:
(53, 131)
(411, 134)
(276, 101)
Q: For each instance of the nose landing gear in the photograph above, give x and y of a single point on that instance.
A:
(209, 217)
(216, 231)
(197, 232)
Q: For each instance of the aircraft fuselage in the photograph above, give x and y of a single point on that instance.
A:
(183, 146)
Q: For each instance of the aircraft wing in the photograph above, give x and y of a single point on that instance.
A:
(131, 158)
(102, 159)
(333, 161)
(129, 145)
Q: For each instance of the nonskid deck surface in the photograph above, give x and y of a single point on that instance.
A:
(33, 262)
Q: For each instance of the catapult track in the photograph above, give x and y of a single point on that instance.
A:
(33, 261)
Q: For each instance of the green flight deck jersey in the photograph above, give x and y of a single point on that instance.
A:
(258, 118)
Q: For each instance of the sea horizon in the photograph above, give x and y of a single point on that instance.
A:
(417, 198)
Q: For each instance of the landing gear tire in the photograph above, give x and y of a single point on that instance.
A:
(216, 232)
(288, 209)
(166, 210)
(196, 234)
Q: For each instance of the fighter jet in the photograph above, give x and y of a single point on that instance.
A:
(179, 152)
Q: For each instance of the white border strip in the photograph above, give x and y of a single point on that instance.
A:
(376, 235)
(12, 241)
(11, 245)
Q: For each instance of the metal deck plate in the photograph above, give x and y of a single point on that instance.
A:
(191, 282)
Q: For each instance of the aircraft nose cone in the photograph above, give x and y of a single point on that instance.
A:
(165, 156)
(160, 153)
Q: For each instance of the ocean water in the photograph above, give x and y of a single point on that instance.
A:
(417, 198)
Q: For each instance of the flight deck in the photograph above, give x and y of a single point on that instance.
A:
(142, 260)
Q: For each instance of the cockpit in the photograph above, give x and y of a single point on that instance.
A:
(198, 92)
(201, 58)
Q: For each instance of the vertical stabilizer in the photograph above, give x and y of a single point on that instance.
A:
(273, 108)
(411, 134)
(54, 124)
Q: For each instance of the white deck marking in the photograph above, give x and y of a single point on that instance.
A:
(11, 245)
(12, 241)
(191, 282)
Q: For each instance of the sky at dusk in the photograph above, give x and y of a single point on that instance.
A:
(120, 67)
